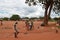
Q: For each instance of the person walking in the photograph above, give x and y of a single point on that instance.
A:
(1, 22)
(16, 30)
(57, 25)
(30, 24)
(27, 24)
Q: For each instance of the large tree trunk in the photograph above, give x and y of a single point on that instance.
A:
(50, 10)
(46, 16)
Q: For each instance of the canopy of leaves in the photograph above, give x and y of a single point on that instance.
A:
(15, 17)
(5, 18)
(34, 18)
(56, 3)
(56, 19)
(41, 17)
(25, 18)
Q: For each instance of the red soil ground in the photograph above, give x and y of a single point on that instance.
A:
(43, 33)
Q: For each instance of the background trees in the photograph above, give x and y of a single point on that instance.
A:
(5, 18)
(49, 5)
(15, 17)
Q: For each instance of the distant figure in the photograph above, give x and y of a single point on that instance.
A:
(16, 30)
(30, 24)
(58, 22)
(27, 24)
(57, 25)
(56, 31)
(1, 22)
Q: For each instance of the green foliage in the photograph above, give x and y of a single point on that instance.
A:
(56, 8)
(56, 19)
(56, 3)
(58, 26)
(15, 17)
(41, 17)
(5, 18)
(50, 19)
(31, 2)
(26, 18)
(32, 18)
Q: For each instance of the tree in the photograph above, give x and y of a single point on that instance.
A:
(48, 6)
(33, 18)
(56, 18)
(5, 18)
(15, 17)
(26, 18)
(41, 17)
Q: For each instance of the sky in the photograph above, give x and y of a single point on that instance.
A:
(10, 7)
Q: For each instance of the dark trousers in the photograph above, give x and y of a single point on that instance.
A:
(30, 27)
(16, 32)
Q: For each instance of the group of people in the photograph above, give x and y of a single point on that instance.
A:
(29, 24)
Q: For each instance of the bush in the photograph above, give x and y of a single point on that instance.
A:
(41, 17)
(5, 18)
(56, 19)
(58, 26)
(15, 17)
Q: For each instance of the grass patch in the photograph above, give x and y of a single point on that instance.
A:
(59, 27)
(52, 20)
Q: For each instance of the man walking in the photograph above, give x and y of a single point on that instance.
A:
(16, 30)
